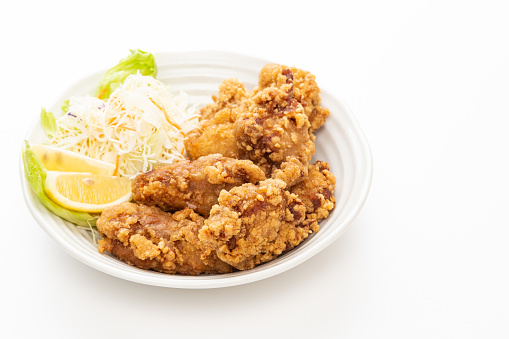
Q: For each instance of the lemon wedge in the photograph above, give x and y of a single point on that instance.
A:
(56, 159)
(86, 192)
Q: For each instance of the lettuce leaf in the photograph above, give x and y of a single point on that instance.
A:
(138, 61)
(35, 173)
(48, 122)
(65, 106)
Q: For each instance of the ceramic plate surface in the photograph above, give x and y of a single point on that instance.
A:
(340, 142)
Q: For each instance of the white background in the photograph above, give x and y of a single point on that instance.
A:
(427, 257)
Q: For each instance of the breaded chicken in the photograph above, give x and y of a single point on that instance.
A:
(195, 184)
(305, 90)
(231, 94)
(253, 224)
(273, 132)
(215, 134)
(269, 126)
(149, 238)
(317, 191)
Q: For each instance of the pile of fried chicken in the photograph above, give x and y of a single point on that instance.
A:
(248, 192)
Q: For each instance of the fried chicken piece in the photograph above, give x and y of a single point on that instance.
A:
(305, 90)
(149, 238)
(253, 224)
(231, 94)
(273, 132)
(215, 134)
(269, 126)
(317, 191)
(195, 184)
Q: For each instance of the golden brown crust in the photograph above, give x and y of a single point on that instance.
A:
(215, 133)
(149, 238)
(273, 125)
(273, 132)
(194, 184)
(253, 224)
(231, 93)
(317, 191)
(305, 91)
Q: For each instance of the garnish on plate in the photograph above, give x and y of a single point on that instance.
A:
(133, 123)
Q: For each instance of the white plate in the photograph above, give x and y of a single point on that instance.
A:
(340, 142)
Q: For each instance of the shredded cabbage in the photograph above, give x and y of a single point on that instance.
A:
(140, 126)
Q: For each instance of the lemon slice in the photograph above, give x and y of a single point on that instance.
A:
(86, 192)
(56, 159)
